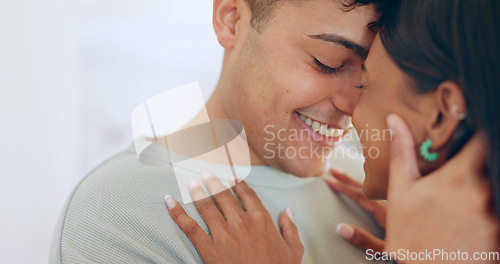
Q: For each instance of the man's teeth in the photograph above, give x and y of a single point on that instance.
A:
(309, 121)
(321, 128)
(315, 126)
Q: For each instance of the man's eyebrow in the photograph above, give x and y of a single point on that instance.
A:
(355, 48)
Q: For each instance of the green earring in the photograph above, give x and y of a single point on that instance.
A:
(424, 151)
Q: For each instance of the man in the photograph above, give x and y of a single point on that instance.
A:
(288, 66)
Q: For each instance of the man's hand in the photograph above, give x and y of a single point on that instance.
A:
(353, 189)
(449, 209)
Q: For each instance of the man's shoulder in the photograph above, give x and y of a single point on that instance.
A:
(122, 174)
(120, 182)
(117, 214)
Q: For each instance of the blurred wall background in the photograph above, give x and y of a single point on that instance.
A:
(71, 72)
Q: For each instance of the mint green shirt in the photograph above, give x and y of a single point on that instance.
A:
(117, 214)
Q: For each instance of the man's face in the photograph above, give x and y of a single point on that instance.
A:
(301, 68)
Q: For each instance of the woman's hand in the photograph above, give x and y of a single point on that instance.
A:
(447, 210)
(353, 189)
(238, 235)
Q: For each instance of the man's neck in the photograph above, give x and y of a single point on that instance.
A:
(217, 109)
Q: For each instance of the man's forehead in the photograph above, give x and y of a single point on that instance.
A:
(331, 10)
(327, 22)
(324, 12)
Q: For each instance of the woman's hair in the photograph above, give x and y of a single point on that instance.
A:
(437, 40)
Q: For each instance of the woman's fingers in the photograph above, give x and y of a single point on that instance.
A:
(212, 216)
(243, 235)
(360, 238)
(193, 231)
(247, 196)
(377, 208)
(403, 169)
(290, 233)
(355, 193)
(345, 178)
(222, 195)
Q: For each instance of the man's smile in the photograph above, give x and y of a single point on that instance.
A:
(324, 129)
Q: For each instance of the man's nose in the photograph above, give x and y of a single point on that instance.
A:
(347, 96)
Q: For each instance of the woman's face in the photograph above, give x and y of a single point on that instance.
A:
(385, 90)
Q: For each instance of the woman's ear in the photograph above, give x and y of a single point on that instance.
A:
(226, 15)
(450, 111)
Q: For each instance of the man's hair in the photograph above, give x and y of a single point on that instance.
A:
(264, 10)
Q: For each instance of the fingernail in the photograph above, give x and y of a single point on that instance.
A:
(345, 231)
(391, 122)
(289, 213)
(333, 183)
(338, 170)
(332, 180)
(170, 202)
(238, 178)
(193, 184)
(232, 180)
(205, 175)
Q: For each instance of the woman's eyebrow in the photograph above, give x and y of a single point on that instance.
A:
(357, 49)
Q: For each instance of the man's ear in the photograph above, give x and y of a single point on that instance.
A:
(450, 110)
(226, 15)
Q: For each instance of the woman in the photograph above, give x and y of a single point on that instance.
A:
(434, 64)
